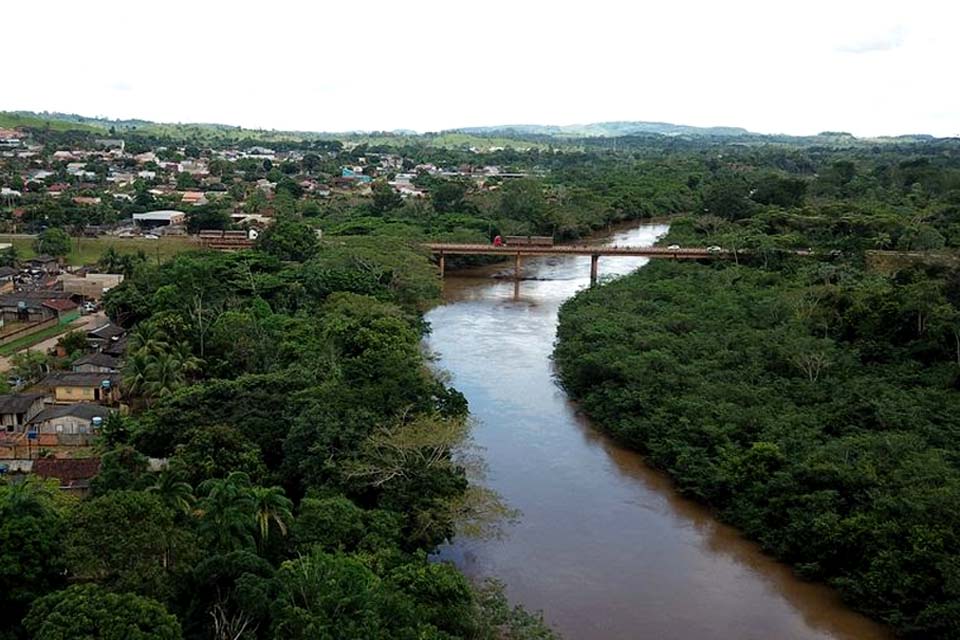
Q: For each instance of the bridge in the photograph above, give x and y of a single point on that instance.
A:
(441, 250)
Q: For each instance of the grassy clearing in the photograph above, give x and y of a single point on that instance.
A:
(14, 120)
(89, 250)
(34, 338)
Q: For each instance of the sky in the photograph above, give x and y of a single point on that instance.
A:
(799, 67)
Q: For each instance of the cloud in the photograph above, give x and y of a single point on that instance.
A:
(887, 41)
(121, 85)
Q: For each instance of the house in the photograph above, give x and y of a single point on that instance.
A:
(104, 335)
(71, 386)
(62, 307)
(91, 286)
(154, 219)
(74, 474)
(17, 409)
(7, 277)
(97, 363)
(57, 188)
(35, 306)
(196, 198)
(69, 424)
(116, 348)
(45, 263)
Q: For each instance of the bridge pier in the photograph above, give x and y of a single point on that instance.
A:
(443, 264)
(517, 262)
(594, 268)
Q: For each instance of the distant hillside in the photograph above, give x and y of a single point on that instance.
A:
(520, 136)
(54, 121)
(606, 130)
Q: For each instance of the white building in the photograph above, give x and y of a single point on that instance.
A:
(153, 219)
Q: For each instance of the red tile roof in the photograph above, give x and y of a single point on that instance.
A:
(67, 470)
(60, 305)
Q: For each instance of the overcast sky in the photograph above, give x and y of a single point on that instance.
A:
(799, 67)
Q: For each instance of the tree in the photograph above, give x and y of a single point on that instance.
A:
(385, 198)
(227, 513)
(73, 342)
(289, 239)
(30, 365)
(8, 257)
(122, 468)
(726, 195)
(135, 374)
(272, 509)
(54, 242)
(448, 195)
(330, 596)
(115, 431)
(110, 260)
(523, 200)
(186, 181)
(173, 491)
(216, 452)
(128, 541)
(87, 611)
(31, 562)
(921, 237)
(211, 216)
(780, 191)
(164, 374)
(233, 589)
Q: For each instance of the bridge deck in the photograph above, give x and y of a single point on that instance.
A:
(691, 253)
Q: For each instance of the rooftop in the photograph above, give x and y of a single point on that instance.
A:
(84, 410)
(98, 360)
(18, 402)
(166, 215)
(106, 332)
(67, 470)
(79, 379)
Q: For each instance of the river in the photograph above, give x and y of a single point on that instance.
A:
(604, 546)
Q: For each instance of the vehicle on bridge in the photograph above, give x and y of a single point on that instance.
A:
(528, 241)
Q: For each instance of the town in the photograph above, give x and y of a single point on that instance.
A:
(61, 355)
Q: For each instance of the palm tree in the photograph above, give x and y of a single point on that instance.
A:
(31, 497)
(173, 491)
(164, 375)
(189, 363)
(135, 374)
(148, 338)
(110, 261)
(271, 507)
(227, 512)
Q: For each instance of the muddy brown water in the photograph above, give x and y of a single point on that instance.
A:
(604, 546)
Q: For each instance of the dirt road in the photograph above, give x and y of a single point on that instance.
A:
(84, 323)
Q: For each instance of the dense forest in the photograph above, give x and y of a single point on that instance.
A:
(812, 401)
(311, 469)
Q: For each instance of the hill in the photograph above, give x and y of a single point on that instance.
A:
(606, 130)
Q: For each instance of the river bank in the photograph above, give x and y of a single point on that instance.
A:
(605, 546)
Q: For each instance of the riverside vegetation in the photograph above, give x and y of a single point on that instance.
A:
(812, 401)
(312, 464)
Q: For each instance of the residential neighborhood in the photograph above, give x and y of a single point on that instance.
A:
(130, 188)
(50, 426)
(60, 193)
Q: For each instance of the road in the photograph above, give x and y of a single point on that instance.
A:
(85, 323)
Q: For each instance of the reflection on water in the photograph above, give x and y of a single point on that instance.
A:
(604, 547)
